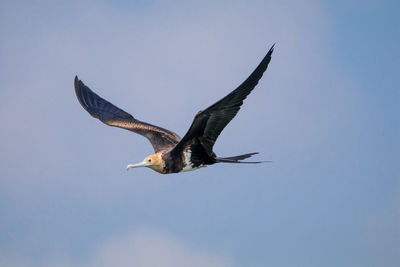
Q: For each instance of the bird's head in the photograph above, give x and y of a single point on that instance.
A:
(154, 162)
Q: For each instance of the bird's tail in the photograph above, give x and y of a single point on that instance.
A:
(237, 159)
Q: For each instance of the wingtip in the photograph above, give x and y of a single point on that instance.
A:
(272, 48)
(76, 81)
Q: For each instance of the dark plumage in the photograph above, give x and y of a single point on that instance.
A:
(106, 112)
(173, 154)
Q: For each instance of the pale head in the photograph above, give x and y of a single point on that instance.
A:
(154, 162)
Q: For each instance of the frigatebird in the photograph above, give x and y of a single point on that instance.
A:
(173, 154)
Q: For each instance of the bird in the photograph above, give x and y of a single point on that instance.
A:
(173, 154)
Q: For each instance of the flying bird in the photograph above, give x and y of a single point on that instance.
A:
(173, 154)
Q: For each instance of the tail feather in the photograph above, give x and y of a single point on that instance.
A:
(237, 159)
(240, 157)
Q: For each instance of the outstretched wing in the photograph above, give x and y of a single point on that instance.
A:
(208, 124)
(111, 115)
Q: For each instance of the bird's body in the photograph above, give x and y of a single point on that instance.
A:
(173, 154)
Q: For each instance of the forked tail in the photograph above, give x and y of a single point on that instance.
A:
(237, 159)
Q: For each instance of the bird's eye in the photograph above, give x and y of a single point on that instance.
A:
(149, 160)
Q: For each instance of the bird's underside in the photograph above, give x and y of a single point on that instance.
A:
(173, 154)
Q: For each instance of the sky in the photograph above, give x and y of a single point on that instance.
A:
(326, 113)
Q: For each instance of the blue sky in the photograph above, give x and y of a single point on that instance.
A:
(325, 112)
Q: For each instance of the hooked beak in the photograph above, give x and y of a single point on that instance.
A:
(141, 164)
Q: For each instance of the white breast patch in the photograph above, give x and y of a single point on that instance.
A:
(188, 164)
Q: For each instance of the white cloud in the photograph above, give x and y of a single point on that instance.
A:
(149, 248)
(140, 248)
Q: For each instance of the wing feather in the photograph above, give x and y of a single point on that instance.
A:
(99, 108)
(209, 123)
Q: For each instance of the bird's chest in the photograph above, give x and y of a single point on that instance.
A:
(181, 163)
(187, 162)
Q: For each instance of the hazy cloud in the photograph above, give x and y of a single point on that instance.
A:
(140, 248)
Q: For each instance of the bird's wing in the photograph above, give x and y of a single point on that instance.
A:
(111, 115)
(208, 124)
